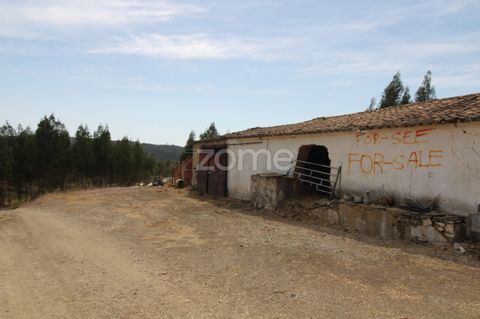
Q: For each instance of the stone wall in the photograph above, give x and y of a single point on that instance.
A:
(269, 191)
(393, 223)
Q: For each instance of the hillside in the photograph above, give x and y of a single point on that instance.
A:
(163, 152)
(159, 152)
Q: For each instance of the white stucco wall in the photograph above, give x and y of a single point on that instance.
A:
(420, 162)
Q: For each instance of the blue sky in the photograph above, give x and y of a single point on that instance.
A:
(154, 70)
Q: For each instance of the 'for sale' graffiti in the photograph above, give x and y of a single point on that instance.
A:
(376, 163)
(379, 163)
(405, 137)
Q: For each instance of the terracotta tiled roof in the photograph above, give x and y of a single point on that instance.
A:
(451, 110)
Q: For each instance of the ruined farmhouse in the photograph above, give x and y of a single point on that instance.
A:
(417, 152)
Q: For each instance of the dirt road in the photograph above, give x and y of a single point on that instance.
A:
(138, 253)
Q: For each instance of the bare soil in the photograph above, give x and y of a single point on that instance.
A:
(141, 253)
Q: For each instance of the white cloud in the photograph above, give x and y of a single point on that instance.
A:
(365, 42)
(387, 14)
(458, 81)
(457, 76)
(391, 55)
(21, 16)
(196, 46)
(435, 48)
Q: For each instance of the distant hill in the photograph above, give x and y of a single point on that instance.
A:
(159, 152)
(163, 152)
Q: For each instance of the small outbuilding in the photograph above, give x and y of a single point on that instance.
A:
(422, 152)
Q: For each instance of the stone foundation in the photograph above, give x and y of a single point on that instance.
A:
(268, 191)
(433, 227)
(393, 223)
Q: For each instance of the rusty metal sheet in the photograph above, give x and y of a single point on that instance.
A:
(217, 179)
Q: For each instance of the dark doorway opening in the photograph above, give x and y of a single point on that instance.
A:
(314, 161)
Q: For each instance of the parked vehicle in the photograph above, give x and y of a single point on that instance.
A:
(157, 181)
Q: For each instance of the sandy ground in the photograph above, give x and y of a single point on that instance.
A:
(139, 253)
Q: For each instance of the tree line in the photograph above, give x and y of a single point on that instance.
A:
(397, 94)
(210, 133)
(47, 159)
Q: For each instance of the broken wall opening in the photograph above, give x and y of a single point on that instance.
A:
(314, 169)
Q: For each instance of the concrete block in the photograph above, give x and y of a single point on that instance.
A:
(268, 190)
(375, 222)
(353, 217)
